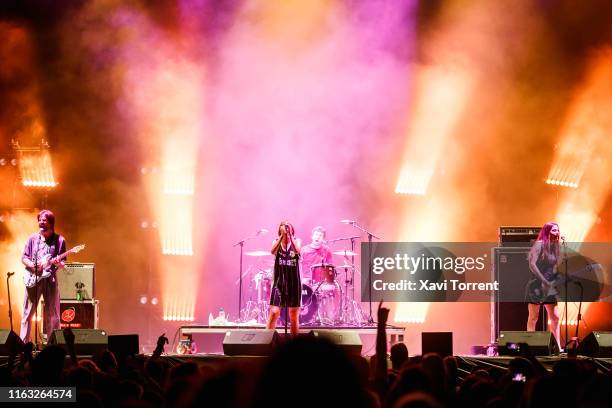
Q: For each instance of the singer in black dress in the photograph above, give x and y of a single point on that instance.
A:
(286, 287)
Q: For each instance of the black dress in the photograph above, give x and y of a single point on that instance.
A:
(287, 286)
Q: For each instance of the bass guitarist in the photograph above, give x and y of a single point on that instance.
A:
(544, 260)
(38, 258)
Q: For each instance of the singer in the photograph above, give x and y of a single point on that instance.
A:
(544, 261)
(45, 244)
(286, 287)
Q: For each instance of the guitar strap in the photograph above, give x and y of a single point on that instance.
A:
(54, 245)
(54, 249)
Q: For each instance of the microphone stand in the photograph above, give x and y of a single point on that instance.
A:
(241, 243)
(352, 282)
(36, 295)
(284, 297)
(8, 291)
(574, 351)
(370, 236)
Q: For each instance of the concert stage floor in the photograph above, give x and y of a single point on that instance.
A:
(209, 339)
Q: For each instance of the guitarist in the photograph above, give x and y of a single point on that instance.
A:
(43, 244)
(544, 260)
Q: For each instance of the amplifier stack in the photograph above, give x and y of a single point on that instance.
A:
(79, 309)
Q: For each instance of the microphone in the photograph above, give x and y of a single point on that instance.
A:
(347, 222)
(262, 231)
(562, 237)
(9, 274)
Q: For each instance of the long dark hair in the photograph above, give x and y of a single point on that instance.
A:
(550, 247)
(282, 224)
(50, 218)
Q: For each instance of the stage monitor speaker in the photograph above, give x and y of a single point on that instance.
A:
(347, 340)
(596, 344)
(541, 343)
(124, 344)
(10, 343)
(437, 342)
(77, 281)
(86, 341)
(249, 342)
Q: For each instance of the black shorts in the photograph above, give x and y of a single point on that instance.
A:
(286, 280)
(552, 301)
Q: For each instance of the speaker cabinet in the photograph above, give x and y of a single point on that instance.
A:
(78, 315)
(511, 270)
(77, 281)
(10, 343)
(541, 343)
(249, 342)
(596, 344)
(347, 340)
(86, 341)
(437, 342)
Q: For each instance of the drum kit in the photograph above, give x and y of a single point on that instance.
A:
(328, 298)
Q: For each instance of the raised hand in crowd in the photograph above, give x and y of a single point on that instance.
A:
(161, 341)
(69, 337)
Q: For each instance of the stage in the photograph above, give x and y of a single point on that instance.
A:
(209, 339)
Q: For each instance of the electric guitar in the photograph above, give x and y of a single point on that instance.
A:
(30, 279)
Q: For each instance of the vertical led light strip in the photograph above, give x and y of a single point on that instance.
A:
(180, 115)
(438, 86)
(441, 96)
(164, 90)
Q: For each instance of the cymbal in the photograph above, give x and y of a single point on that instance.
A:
(258, 253)
(345, 252)
(319, 265)
(345, 267)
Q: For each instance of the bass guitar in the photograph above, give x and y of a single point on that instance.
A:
(536, 292)
(30, 279)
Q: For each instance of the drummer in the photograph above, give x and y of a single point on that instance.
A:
(315, 253)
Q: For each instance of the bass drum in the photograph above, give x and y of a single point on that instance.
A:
(308, 310)
(329, 299)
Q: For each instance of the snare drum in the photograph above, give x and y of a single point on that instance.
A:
(323, 273)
